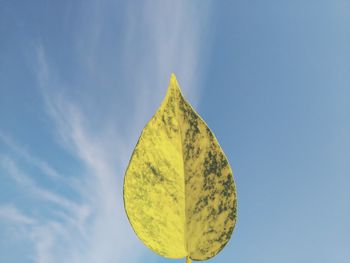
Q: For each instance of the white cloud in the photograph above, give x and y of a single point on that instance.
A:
(20, 151)
(107, 224)
(31, 187)
(10, 213)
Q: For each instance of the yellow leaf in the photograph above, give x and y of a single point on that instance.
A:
(179, 192)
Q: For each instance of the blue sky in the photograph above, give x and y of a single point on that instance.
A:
(79, 80)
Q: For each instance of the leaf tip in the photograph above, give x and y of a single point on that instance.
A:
(173, 84)
(173, 80)
(172, 75)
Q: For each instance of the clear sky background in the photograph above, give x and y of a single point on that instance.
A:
(80, 79)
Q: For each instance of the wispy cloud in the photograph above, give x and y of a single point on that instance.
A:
(21, 152)
(31, 187)
(102, 191)
(155, 40)
(10, 213)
